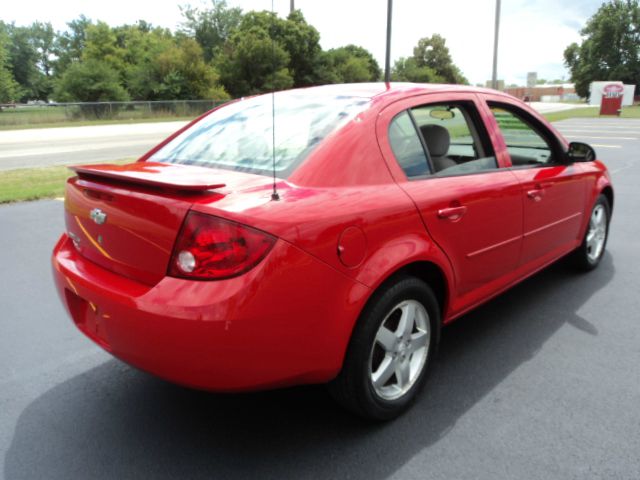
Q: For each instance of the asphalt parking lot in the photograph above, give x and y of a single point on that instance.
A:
(541, 383)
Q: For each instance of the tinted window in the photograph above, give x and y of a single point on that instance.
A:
(239, 136)
(406, 146)
(524, 144)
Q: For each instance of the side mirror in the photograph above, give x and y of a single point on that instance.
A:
(581, 152)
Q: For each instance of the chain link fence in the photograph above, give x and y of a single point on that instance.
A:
(15, 115)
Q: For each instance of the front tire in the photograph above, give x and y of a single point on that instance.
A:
(589, 254)
(390, 351)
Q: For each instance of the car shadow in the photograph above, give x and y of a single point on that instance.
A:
(115, 422)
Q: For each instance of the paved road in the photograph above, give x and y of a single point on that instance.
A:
(101, 143)
(541, 383)
(105, 143)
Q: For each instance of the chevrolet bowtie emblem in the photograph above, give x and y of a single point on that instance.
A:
(98, 216)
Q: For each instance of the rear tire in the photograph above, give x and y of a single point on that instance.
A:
(588, 255)
(390, 352)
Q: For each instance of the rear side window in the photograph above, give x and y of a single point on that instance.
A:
(239, 136)
(407, 147)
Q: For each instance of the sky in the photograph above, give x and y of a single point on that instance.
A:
(533, 33)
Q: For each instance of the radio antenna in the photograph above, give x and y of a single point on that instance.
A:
(387, 57)
(274, 194)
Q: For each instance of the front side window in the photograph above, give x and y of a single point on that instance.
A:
(239, 136)
(441, 140)
(455, 138)
(525, 145)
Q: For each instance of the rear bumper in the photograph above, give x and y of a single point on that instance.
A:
(287, 321)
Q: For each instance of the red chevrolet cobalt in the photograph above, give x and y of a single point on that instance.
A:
(323, 235)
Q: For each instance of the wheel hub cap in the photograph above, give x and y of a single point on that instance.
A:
(400, 350)
(597, 233)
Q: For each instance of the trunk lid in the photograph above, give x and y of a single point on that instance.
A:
(126, 218)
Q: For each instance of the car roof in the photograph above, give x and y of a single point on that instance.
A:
(381, 90)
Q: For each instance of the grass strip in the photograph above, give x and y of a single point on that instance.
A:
(35, 183)
(87, 123)
(591, 112)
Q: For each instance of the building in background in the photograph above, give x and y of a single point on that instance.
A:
(545, 93)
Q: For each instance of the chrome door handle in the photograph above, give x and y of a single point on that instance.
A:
(452, 213)
(536, 194)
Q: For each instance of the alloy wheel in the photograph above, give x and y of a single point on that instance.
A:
(597, 233)
(400, 349)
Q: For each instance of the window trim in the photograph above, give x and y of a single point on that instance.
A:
(423, 142)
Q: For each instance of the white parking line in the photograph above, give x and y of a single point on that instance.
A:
(605, 138)
(605, 146)
(623, 167)
(597, 125)
(598, 130)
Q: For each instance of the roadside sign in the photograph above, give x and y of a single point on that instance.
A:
(611, 102)
(612, 89)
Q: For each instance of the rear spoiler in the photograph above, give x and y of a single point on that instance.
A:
(169, 176)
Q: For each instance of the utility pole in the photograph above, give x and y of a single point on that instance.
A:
(494, 76)
(387, 60)
(292, 6)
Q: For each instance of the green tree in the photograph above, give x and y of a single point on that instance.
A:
(375, 73)
(42, 39)
(23, 58)
(302, 43)
(90, 81)
(431, 63)
(610, 47)
(141, 45)
(180, 73)
(102, 44)
(432, 52)
(211, 27)
(69, 45)
(9, 88)
(348, 64)
(292, 36)
(408, 70)
(252, 63)
(155, 65)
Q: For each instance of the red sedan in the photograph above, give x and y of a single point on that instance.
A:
(323, 235)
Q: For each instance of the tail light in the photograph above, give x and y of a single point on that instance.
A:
(211, 248)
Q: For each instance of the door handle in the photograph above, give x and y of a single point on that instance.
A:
(535, 194)
(452, 213)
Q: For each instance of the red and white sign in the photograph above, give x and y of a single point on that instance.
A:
(613, 88)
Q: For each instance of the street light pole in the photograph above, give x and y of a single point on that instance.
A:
(494, 77)
(387, 60)
(292, 6)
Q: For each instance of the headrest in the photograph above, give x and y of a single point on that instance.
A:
(437, 139)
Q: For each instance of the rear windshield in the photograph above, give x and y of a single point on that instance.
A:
(239, 136)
